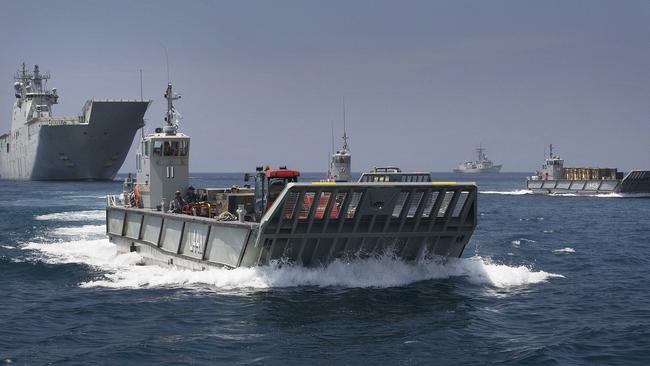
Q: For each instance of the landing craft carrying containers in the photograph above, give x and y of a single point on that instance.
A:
(91, 146)
(280, 219)
(555, 178)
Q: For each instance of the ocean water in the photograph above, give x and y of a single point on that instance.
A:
(544, 280)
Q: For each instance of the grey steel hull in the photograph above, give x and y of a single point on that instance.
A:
(78, 151)
(409, 221)
(637, 181)
(492, 170)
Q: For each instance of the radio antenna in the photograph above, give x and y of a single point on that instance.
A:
(141, 97)
(167, 61)
(332, 125)
(345, 134)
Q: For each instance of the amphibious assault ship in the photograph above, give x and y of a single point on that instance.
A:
(556, 178)
(279, 219)
(90, 146)
(482, 165)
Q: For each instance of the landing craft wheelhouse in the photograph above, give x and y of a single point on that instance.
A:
(280, 219)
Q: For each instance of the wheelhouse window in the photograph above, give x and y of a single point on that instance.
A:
(157, 148)
(175, 148)
(183, 148)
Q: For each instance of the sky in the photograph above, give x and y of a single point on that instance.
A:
(424, 82)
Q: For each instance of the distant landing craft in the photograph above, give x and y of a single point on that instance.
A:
(555, 178)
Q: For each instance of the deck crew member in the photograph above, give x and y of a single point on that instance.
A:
(190, 196)
(176, 205)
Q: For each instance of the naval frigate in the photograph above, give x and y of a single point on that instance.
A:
(482, 165)
(90, 146)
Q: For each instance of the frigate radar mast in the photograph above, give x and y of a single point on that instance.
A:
(341, 161)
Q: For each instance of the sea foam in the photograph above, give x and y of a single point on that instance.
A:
(91, 215)
(517, 192)
(125, 271)
(564, 250)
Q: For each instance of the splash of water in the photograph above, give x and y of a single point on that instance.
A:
(84, 231)
(124, 271)
(517, 192)
(517, 242)
(91, 215)
(564, 250)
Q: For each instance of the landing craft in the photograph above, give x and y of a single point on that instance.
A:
(280, 219)
(90, 146)
(556, 178)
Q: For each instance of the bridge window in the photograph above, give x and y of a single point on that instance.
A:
(183, 148)
(170, 148)
(157, 148)
(175, 148)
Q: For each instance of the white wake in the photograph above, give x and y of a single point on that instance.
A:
(564, 250)
(517, 192)
(91, 215)
(124, 271)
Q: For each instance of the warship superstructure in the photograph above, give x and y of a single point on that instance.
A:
(340, 169)
(341, 163)
(90, 146)
(482, 165)
(554, 177)
(279, 219)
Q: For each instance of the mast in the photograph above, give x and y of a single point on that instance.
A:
(481, 153)
(333, 149)
(172, 126)
(141, 97)
(345, 135)
(329, 157)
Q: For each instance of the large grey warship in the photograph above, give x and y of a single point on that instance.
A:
(280, 220)
(556, 178)
(91, 146)
(482, 165)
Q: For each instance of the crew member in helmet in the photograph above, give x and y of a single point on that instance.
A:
(176, 205)
(190, 196)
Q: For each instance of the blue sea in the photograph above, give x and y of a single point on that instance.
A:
(544, 280)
